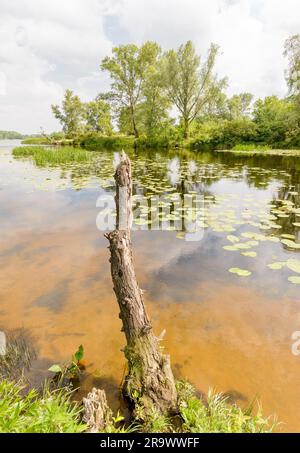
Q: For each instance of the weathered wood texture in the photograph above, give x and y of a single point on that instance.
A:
(150, 382)
(97, 414)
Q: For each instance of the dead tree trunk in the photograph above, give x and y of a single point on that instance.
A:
(150, 382)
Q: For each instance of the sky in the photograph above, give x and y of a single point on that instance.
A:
(49, 46)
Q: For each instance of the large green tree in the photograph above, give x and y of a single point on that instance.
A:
(277, 121)
(191, 84)
(98, 117)
(238, 106)
(70, 114)
(155, 105)
(292, 51)
(128, 68)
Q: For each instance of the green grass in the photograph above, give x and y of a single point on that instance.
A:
(52, 156)
(250, 147)
(35, 141)
(216, 415)
(51, 412)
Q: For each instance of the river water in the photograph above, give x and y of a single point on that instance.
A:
(229, 313)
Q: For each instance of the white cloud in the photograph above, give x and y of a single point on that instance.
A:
(251, 34)
(46, 47)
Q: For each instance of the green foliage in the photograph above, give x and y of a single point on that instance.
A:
(94, 142)
(35, 141)
(250, 147)
(10, 135)
(277, 122)
(51, 412)
(116, 426)
(292, 51)
(98, 117)
(70, 114)
(238, 106)
(157, 423)
(216, 415)
(146, 85)
(52, 156)
(128, 69)
(189, 84)
(72, 370)
(223, 133)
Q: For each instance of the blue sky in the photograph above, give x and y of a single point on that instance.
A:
(46, 47)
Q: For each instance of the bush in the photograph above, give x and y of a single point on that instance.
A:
(250, 147)
(223, 133)
(97, 142)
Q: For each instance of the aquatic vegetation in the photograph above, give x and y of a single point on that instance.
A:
(250, 147)
(52, 156)
(294, 279)
(250, 254)
(276, 266)
(240, 272)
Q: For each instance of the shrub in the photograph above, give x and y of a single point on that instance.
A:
(97, 142)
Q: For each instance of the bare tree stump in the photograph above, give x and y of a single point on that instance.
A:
(150, 382)
(97, 414)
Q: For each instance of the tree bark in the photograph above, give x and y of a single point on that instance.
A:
(150, 382)
(97, 414)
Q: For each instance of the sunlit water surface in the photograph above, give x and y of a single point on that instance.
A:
(225, 331)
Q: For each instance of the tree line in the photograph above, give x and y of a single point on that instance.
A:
(148, 85)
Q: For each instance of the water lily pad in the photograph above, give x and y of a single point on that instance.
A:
(294, 265)
(290, 244)
(230, 248)
(240, 272)
(276, 266)
(232, 238)
(250, 254)
(294, 279)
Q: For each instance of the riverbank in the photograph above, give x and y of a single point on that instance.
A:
(53, 406)
(262, 152)
(94, 142)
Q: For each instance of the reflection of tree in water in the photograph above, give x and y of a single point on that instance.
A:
(156, 173)
(283, 198)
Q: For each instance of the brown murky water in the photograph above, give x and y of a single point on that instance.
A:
(223, 331)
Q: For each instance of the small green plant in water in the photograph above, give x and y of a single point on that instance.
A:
(72, 370)
(52, 156)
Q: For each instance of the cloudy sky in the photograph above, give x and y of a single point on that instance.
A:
(47, 46)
